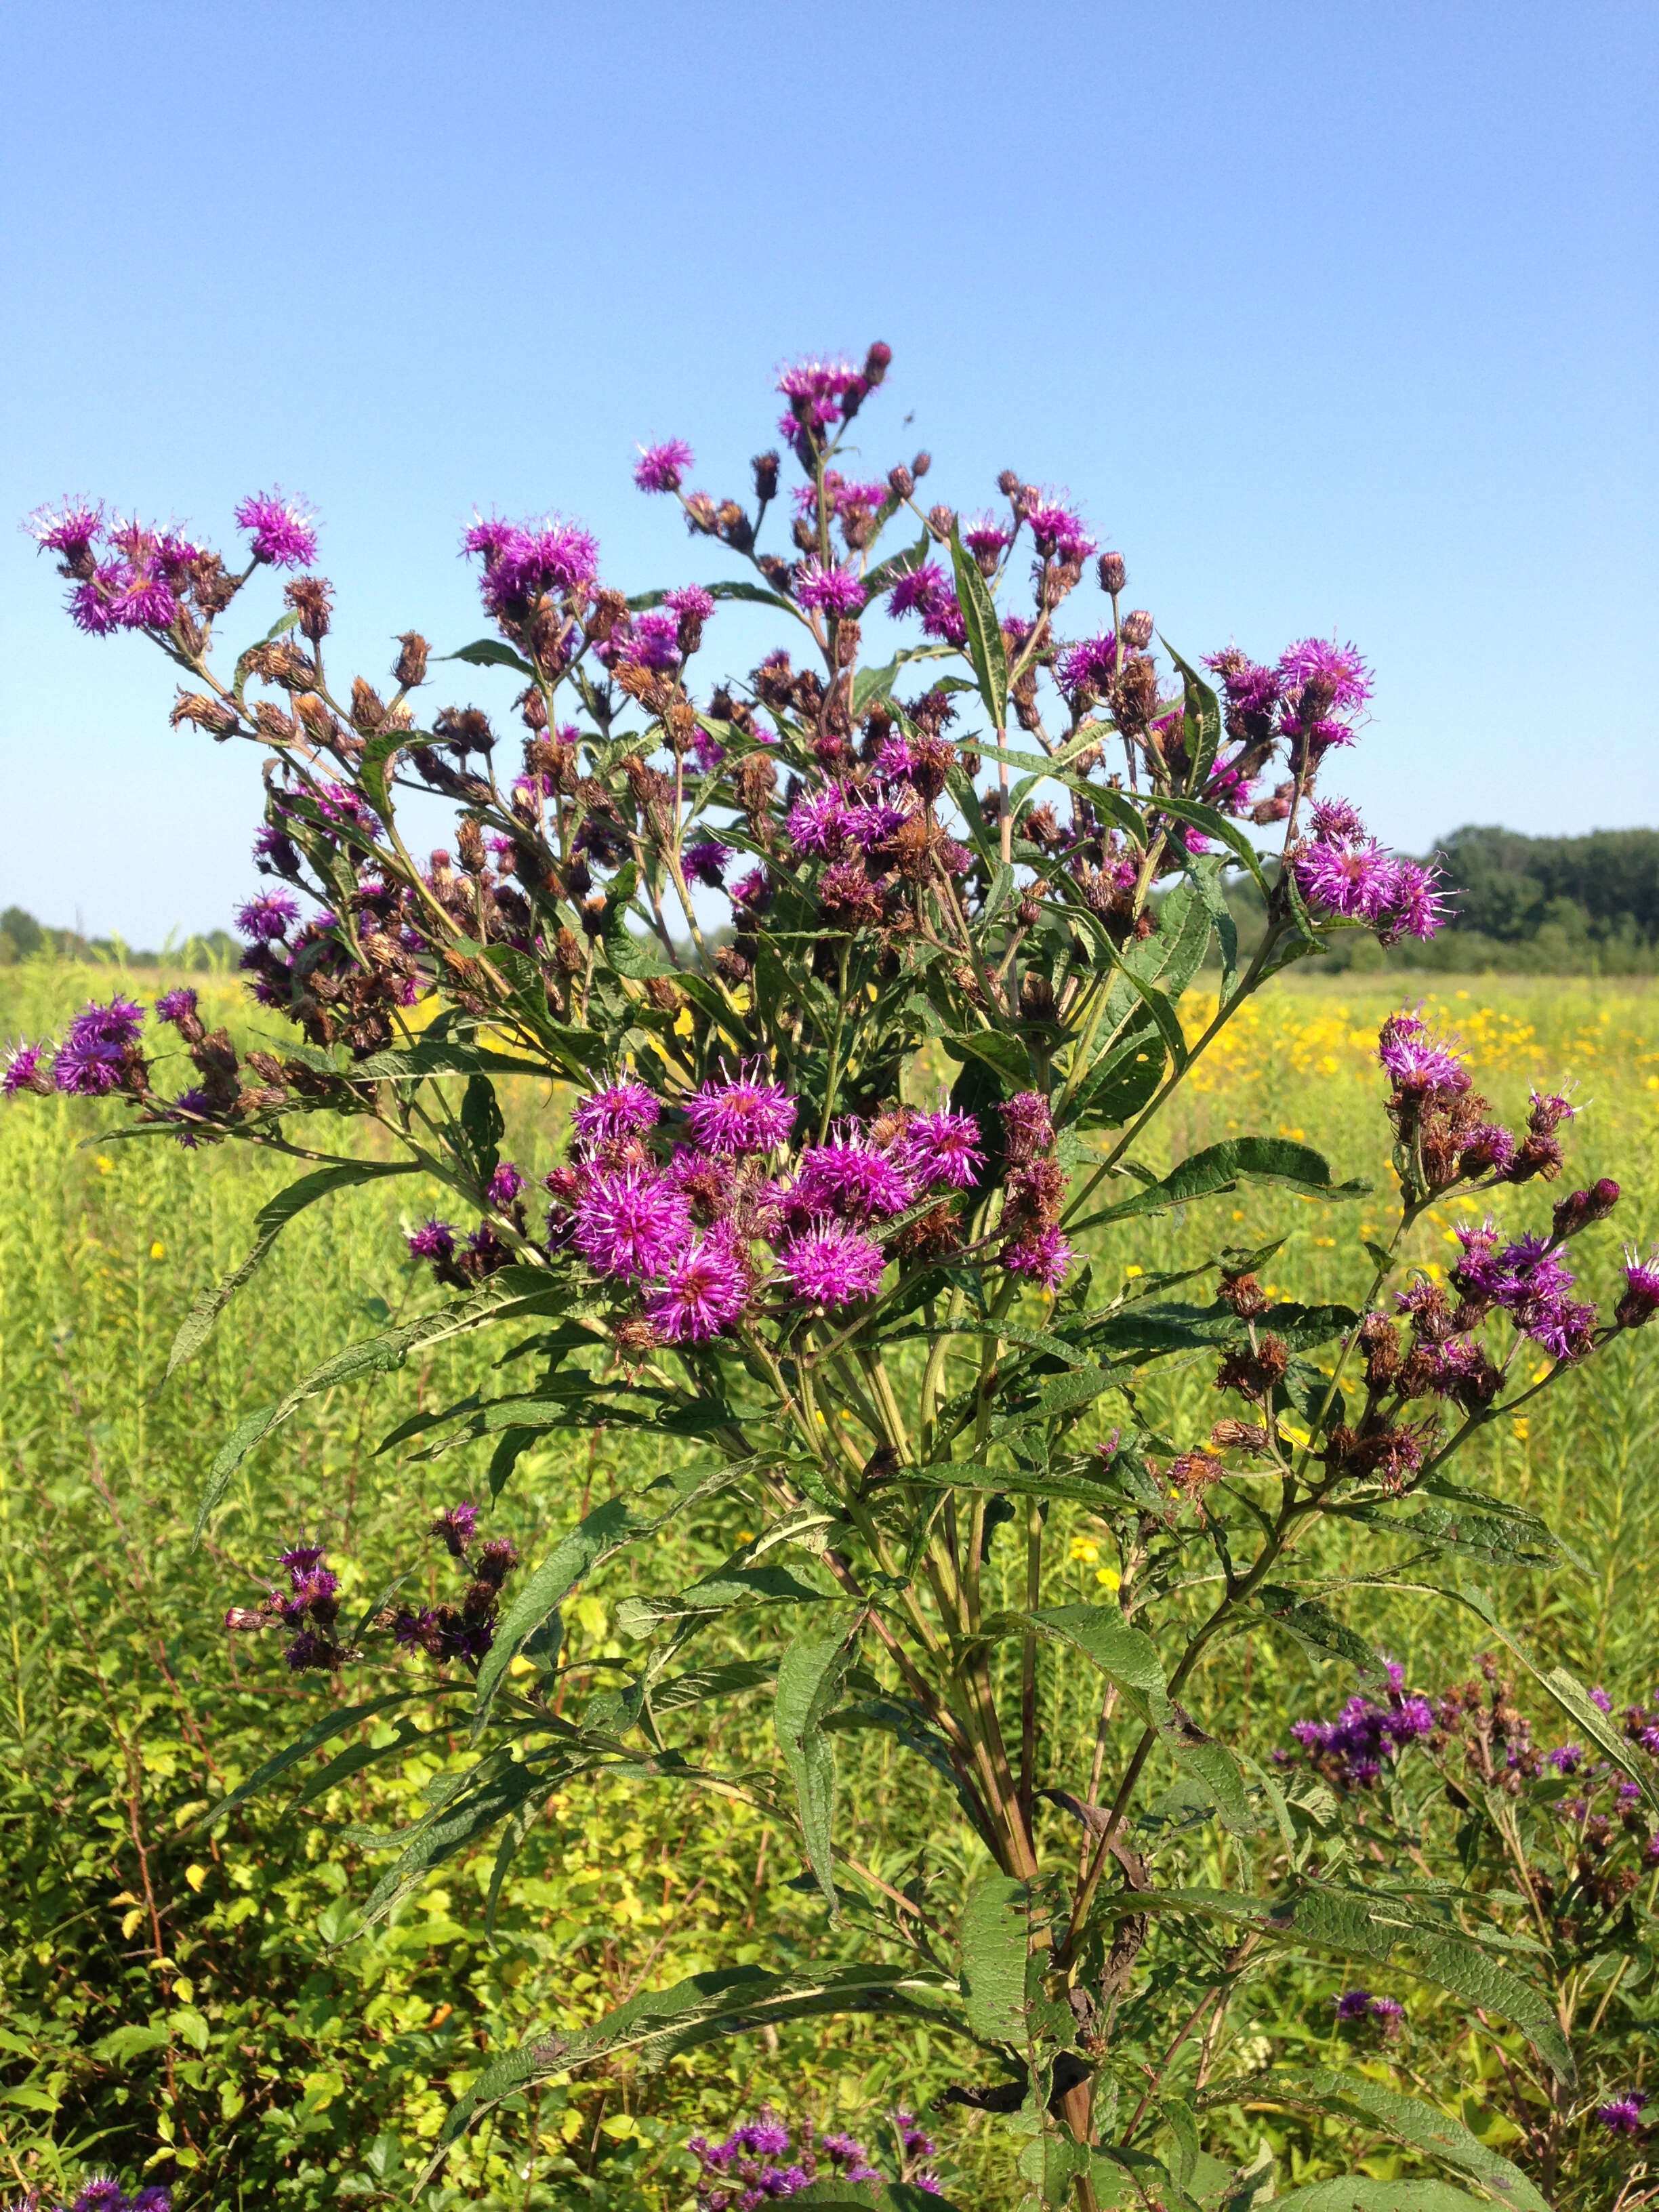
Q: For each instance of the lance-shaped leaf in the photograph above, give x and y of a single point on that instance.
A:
(505, 1295)
(1130, 1659)
(334, 1723)
(1359, 2193)
(869, 2197)
(1200, 723)
(466, 1818)
(1221, 1168)
(1373, 1924)
(661, 2024)
(1421, 2127)
(607, 1529)
(490, 653)
(809, 1677)
(985, 647)
(1568, 1691)
(716, 1592)
(270, 1222)
(995, 1938)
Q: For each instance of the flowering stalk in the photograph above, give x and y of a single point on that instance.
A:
(744, 925)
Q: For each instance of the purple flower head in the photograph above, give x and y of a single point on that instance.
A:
(849, 496)
(621, 1109)
(869, 819)
(1253, 691)
(911, 592)
(1336, 674)
(704, 1291)
(631, 1224)
(300, 1560)
(1567, 1757)
(986, 538)
(848, 1178)
(194, 1102)
(101, 2194)
(753, 893)
(1415, 1060)
(745, 1113)
(455, 1525)
(706, 862)
(523, 561)
(1058, 533)
(1089, 664)
(1549, 1109)
(832, 1265)
(313, 1651)
(1042, 1255)
(153, 2199)
(280, 530)
(817, 823)
(765, 2137)
(176, 1005)
(690, 599)
(504, 1186)
(1354, 881)
(433, 1240)
(26, 1069)
(829, 591)
(1623, 2116)
(89, 604)
(1639, 1301)
(89, 1061)
(71, 528)
(1415, 905)
(1354, 2004)
(1599, 1699)
(844, 2149)
(268, 917)
(1388, 2011)
(1565, 1328)
(1487, 1150)
(944, 1148)
(1336, 820)
(652, 642)
(1028, 1126)
(663, 468)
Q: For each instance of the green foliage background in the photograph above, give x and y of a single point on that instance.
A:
(194, 2005)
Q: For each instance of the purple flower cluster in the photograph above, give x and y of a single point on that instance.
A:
(1345, 875)
(309, 1607)
(1622, 2116)
(103, 2193)
(1354, 2006)
(99, 1053)
(464, 1631)
(1367, 1736)
(761, 2161)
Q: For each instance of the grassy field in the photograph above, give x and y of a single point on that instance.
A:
(195, 2003)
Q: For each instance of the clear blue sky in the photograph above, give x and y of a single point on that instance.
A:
(1333, 317)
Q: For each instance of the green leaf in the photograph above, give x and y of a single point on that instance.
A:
(1003, 1054)
(333, 1723)
(482, 1125)
(661, 2024)
(1130, 1659)
(490, 653)
(466, 1818)
(1422, 2127)
(1315, 1629)
(995, 1935)
(986, 647)
(755, 594)
(129, 2042)
(715, 1592)
(1568, 1691)
(869, 2197)
(270, 1220)
(809, 1677)
(1356, 2193)
(1200, 723)
(502, 1296)
(1221, 1168)
(607, 1529)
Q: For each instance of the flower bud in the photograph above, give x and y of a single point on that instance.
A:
(920, 464)
(1137, 629)
(1112, 573)
(1008, 483)
(877, 363)
(410, 668)
(312, 599)
(765, 466)
(804, 534)
(900, 482)
(941, 520)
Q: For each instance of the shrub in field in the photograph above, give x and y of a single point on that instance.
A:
(743, 921)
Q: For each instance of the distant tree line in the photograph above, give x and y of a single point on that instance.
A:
(1563, 906)
(23, 938)
(1559, 906)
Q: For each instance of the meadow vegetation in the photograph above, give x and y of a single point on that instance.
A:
(196, 2004)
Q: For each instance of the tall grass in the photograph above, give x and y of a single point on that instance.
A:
(196, 2002)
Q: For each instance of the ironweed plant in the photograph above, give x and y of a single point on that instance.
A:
(750, 924)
